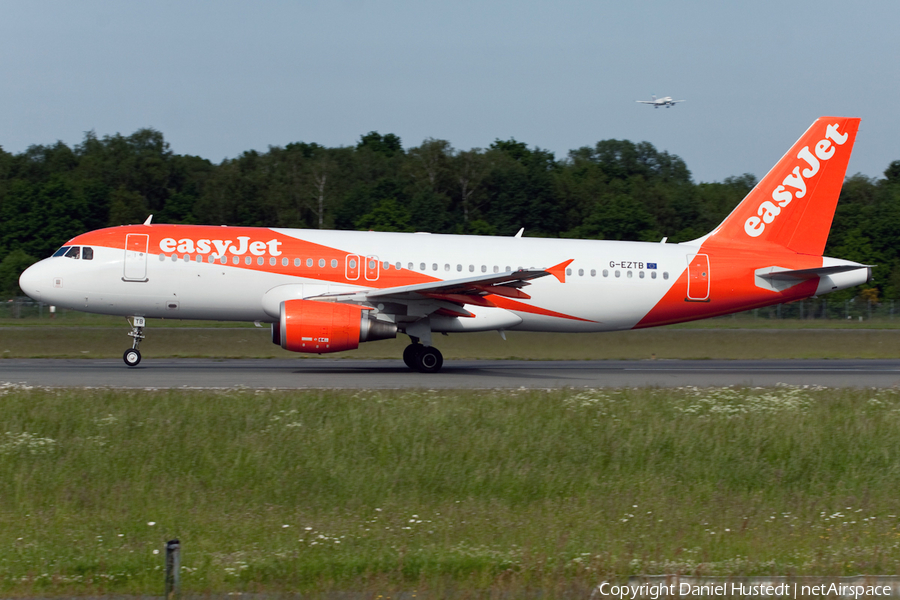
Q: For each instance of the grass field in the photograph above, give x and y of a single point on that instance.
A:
(760, 319)
(754, 334)
(436, 492)
(251, 342)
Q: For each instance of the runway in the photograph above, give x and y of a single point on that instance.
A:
(459, 374)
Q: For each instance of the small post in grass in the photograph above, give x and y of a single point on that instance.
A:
(173, 569)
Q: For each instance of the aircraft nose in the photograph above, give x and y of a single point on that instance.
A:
(32, 280)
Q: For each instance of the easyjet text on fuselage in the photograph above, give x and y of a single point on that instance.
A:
(221, 247)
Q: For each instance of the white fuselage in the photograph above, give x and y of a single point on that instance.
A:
(609, 285)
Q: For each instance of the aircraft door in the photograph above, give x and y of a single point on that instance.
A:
(136, 257)
(698, 278)
(371, 268)
(351, 267)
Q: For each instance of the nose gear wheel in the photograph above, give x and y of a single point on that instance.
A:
(132, 357)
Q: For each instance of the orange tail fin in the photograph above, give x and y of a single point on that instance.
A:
(794, 204)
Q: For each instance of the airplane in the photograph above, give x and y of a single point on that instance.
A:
(328, 291)
(657, 102)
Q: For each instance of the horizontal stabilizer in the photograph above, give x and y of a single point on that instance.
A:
(778, 279)
(803, 274)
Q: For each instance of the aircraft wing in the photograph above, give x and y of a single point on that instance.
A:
(510, 280)
(645, 102)
(449, 297)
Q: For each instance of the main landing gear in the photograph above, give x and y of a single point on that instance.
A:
(425, 359)
(132, 356)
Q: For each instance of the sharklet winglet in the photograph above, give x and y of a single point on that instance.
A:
(559, 271)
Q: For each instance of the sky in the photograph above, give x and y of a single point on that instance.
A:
(218, 78)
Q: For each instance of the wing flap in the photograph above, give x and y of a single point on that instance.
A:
(462, 299)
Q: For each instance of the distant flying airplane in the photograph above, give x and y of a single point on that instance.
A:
(657, 102)
(327, 291)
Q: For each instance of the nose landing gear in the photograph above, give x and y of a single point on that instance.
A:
(132, 356)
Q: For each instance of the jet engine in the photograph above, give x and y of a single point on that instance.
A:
(322, 327)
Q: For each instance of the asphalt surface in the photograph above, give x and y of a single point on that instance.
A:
(462, 374)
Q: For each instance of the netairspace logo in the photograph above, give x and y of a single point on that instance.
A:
(756, 587)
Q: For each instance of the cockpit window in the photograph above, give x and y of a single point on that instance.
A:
(62, 251)
(87, 253)
(74, 252)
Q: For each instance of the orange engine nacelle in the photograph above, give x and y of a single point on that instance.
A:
(322, 327)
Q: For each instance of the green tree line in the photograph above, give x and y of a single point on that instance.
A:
(615, 189)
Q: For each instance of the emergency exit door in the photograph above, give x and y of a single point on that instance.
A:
(372, 268)
(351, 267)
